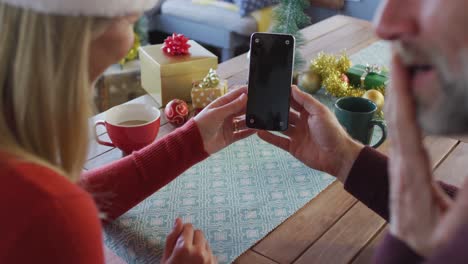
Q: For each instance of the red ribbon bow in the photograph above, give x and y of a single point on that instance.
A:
(176, 45)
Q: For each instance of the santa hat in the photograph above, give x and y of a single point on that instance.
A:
(106, 8)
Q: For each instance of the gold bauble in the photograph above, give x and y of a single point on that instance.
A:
(376, 97)
(310, 82)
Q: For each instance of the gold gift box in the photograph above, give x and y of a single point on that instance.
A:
(166, 78)
(201, 97)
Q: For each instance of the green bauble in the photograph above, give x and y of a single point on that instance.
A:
(310, 82)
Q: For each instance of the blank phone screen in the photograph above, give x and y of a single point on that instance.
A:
(270, 75)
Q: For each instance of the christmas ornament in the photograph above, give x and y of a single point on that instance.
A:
(376, 97)
(133, 53)
(210, 81)
(332, 69)
(177, 112)
(345, 78)
(176, 45)
(310, 82)
(368, 76)
(140, 31)
(207, 90)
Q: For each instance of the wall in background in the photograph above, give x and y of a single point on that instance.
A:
(364, 9)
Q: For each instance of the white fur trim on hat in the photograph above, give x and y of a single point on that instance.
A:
(106, 8)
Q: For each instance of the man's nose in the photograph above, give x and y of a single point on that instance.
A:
(396, 19)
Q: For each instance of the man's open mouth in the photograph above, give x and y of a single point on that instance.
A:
(422, 77)
(419, 69)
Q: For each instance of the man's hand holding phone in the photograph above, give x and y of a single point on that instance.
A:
(315, 137)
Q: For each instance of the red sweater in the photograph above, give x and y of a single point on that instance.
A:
(48, 219)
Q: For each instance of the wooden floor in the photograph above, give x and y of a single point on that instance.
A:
(334, 227)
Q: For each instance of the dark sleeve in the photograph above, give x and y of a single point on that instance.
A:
(393, 251)
(368, 181)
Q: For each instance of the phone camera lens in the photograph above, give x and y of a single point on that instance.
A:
(257, 40)
(287, 42)
(252, 121)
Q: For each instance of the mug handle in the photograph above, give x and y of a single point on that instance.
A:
(383, 127)
(105, 143)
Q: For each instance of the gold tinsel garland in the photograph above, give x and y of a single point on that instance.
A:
(331, 68)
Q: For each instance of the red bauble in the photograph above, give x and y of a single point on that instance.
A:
(344, 78)
(177, 112)
(176, 45)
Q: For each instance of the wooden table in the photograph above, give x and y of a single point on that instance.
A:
(334, 227)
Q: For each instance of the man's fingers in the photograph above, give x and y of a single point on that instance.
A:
(405, 134)
(294, 104)
(278, 141)
(443, 200)
(172, 238)
(301, 100)
(297, 100)
(290, 132)
(294, 118)
(412, 207)
(401, 111)
(229, 97)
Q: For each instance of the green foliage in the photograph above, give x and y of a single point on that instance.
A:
(289, 18)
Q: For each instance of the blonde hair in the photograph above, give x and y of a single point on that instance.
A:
(45, 88)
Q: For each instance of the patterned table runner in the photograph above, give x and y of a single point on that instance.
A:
(236, 196)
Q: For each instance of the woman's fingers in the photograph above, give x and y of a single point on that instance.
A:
(171, 239)
(199, 239)
(229, 97)
(234, 107)
(187, 234)
(278, 141)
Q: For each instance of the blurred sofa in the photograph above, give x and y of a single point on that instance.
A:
(206, 24)
(212, 25)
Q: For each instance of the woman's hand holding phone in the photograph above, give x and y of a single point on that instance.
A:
(315, 137)
(218, 122)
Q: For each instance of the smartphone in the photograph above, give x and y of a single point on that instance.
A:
(270, 79)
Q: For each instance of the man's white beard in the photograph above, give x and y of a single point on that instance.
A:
(449, 115)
